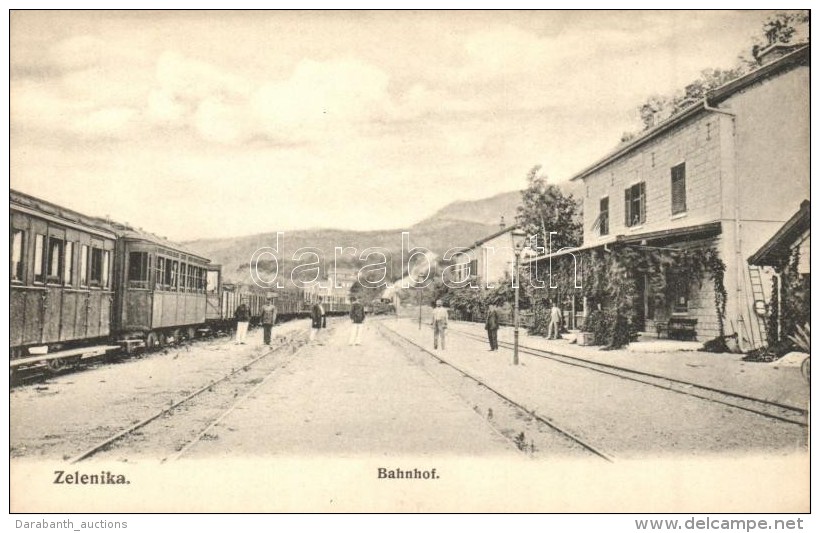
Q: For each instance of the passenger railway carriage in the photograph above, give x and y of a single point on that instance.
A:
(61, 291)
(82, 286)
(162, 288)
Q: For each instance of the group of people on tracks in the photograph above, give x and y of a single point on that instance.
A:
(491, 324)
(318, 321)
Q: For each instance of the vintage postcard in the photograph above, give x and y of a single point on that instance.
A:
(409, 261)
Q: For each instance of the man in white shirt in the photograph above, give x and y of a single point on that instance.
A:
(439, 324)
(553, 331)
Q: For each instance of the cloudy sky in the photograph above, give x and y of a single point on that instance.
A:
(216, 124)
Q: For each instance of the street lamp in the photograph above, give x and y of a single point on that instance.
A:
(519, 238)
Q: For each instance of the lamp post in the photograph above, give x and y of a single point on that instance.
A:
(519, 237)
(419, 291)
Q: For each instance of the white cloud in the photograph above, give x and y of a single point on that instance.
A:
(115, 122)
(164, 108)
(220, 122)
(320, 97)
(191, 79)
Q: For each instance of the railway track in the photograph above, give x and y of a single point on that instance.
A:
(772, 410)
(519, 413)
(172, 431)
(38, 372)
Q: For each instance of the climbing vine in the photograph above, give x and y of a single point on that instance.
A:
(609, 280)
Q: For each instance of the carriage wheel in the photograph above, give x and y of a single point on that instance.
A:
(151, 341)
(56, 365)
(177, 335)
(191, 333)
(162, 340)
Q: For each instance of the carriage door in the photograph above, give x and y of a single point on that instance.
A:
(212, 291)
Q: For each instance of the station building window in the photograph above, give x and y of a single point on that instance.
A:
(16, 264)
(680, 293)
(635, 205)
(679, 189)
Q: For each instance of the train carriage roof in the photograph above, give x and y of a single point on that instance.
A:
(129, 233)
(38, 207)
(110, 228)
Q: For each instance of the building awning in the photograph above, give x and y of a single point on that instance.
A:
(779, 246)
(665, 236)
(649, 238)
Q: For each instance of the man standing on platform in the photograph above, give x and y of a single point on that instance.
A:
(357, 316)
(243, 318)
(439, 324)
(554, 329)
(317, 321)
(268, 319)
(491, 325)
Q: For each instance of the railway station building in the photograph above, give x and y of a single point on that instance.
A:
(671, 216)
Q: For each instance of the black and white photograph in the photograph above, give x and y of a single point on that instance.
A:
(409, 261)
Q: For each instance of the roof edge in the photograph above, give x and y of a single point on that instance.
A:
(714, 96)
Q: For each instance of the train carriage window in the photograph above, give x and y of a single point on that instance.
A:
(166, 281)
(174, 275)
(96, 274)
(84, 265)
(183, 277)
(138, 270)
(16, 266)
(68, 264)
(106, 269)
(55, 260)
(39, 258)
(160, 274)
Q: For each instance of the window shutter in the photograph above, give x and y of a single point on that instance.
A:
(643, 202)
(627, 214)
(679, 189)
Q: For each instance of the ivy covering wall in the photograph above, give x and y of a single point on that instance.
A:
(608, 279)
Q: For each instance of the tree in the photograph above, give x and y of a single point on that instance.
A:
(783, 27)
(545, 208)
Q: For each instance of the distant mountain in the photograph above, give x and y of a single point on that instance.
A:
(485, 211)
(458, 224)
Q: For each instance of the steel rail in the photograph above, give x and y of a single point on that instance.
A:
(130, 429)
(549, 423)
(619, 372)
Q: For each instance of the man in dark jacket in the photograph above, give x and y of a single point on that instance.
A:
(491, 325)
(317, 320)
(268, 319)
(243, 318)
(357, 316)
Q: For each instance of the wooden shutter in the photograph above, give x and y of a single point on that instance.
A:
(627, 208)
(679, 188)
(643, 201)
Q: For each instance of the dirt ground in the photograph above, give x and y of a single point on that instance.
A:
(66, 414)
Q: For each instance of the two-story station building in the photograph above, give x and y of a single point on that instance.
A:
(724, 173)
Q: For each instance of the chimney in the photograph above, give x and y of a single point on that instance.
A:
(773, 52)
(502, 225)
